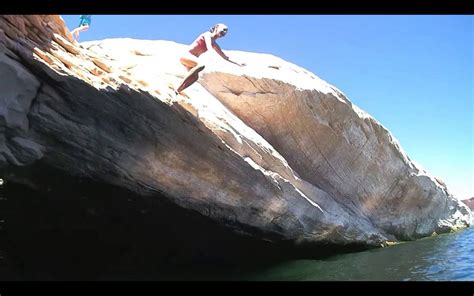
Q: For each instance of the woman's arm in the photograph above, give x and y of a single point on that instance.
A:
(218, 49)
(207, 39)
(210, 44)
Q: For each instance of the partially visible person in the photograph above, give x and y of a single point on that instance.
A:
(203, 43)
(84, 25)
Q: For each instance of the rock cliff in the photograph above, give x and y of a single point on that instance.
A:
(267, 151)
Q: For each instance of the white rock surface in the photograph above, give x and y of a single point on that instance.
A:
(268, 149)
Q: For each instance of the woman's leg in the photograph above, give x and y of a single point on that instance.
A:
(81, 28)
(194, 67)
(74, 32)
(84, 28)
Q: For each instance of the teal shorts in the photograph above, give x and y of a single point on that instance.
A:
(85, 21)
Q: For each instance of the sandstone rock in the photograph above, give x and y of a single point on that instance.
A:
(469, 203)
(102, 65)
(66, 44)
(269, 150)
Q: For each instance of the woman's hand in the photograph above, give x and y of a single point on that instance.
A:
(237, 63)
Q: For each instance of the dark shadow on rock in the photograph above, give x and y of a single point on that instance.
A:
(78, 229)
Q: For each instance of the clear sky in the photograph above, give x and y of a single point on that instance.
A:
(413, 73)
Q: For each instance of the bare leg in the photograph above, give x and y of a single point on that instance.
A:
(194, 67)
(76, 31)
(192, 77)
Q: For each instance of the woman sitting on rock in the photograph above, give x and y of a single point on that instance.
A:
(204, 42)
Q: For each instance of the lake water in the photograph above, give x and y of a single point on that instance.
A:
(448, 257)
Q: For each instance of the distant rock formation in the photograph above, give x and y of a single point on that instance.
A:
(469, 203)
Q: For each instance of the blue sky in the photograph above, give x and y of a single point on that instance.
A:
(413, 73)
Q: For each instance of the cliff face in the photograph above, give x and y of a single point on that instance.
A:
(269, 150)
